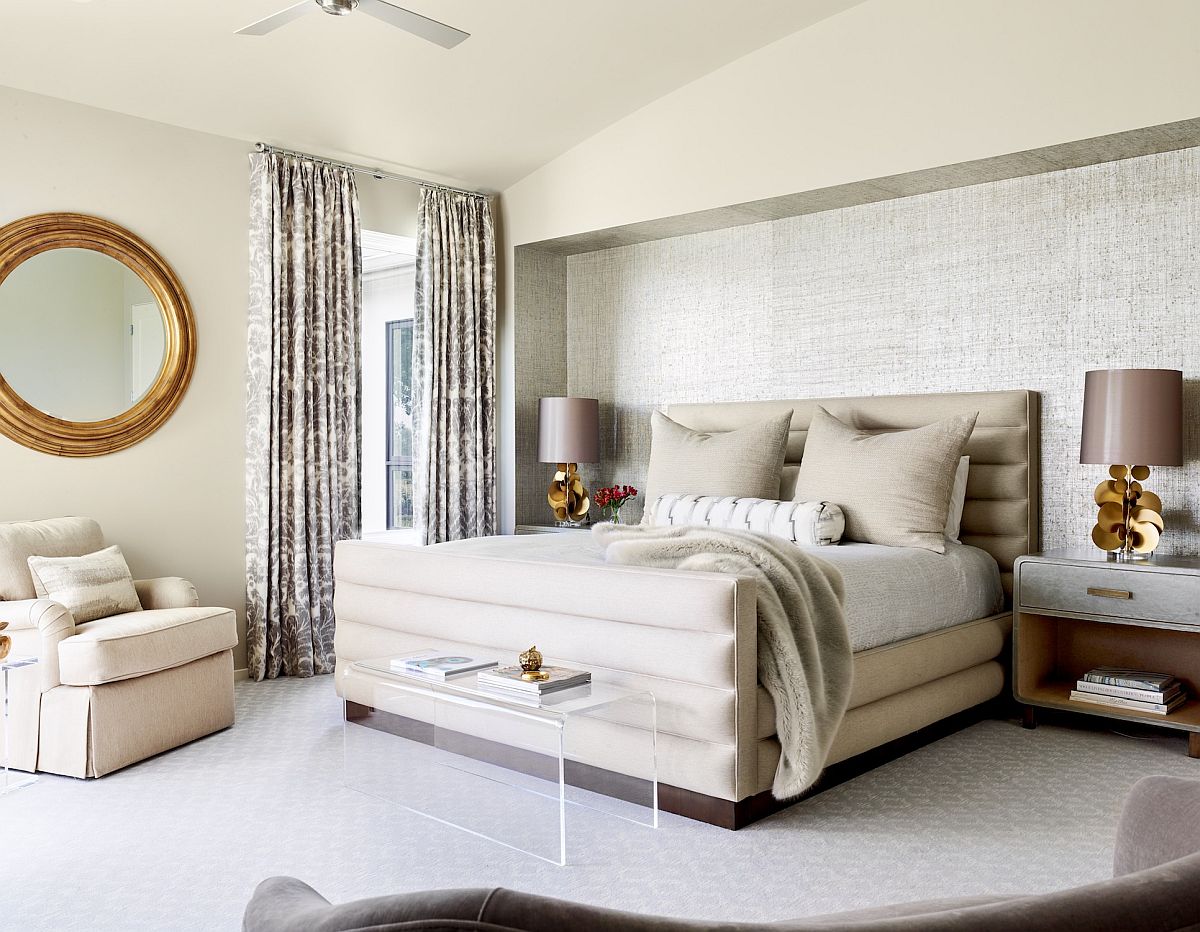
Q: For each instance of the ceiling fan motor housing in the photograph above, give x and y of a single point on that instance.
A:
(337, 7)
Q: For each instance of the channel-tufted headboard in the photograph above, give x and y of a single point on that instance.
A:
(1002, 510)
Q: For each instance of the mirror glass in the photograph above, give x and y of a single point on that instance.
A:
(82, 337)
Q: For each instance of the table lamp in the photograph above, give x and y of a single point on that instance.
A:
(1132, 419)
(568, 434)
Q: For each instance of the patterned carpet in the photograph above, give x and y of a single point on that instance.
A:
(179, 842)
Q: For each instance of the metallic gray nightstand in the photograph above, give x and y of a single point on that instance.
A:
(552, 529)
(1075, 610)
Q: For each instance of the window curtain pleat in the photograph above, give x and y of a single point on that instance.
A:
(303, 427)
(454, 355)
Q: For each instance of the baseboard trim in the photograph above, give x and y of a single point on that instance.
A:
(242, 674)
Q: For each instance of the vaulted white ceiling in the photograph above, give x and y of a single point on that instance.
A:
(535, 78)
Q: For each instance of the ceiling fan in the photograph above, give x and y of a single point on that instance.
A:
(424, 27)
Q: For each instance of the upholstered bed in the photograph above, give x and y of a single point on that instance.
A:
(691, 637)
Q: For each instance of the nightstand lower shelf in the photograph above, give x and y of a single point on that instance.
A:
(1052, 653)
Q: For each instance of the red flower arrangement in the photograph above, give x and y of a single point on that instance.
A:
(611, 499)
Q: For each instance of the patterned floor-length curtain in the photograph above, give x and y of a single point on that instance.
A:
(454, 356)
(303, 431)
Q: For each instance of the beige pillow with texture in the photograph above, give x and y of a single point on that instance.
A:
(93, 586)
(746, 462)
(894, 487)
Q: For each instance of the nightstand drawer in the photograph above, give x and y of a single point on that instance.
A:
(1153, 596)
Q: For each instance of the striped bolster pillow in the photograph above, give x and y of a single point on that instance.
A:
(812, 524)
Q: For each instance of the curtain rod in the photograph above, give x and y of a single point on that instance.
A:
(363, 170)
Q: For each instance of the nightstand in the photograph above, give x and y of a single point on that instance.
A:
(552, 529)
(1075, 610)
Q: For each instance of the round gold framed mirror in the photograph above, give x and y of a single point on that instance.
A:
(97, 339)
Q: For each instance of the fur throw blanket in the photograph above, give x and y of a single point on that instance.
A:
(804, 658)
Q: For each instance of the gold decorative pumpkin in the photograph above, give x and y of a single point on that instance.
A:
(531, 663)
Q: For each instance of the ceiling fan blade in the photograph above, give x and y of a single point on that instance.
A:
(275, 20)
(424, 27)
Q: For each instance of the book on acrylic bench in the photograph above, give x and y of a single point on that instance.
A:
(508, 679)
(439, 665)
(546, 700)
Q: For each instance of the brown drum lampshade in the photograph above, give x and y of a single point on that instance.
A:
(568, 430)
(1133, 416)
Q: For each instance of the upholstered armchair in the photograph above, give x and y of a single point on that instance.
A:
(109, 692)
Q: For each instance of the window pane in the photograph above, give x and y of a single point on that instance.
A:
(400, 496)
(400, 379)
(399, 441)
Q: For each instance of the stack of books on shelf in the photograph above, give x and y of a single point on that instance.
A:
(1156, 693)
(508, 681)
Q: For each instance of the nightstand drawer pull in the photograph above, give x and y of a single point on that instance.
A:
(1110, 593)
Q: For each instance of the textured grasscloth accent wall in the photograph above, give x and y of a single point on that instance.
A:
(1022, 283)
(540, 350)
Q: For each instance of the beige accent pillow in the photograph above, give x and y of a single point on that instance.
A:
(894, 487)
(93, 586)
(746, 462)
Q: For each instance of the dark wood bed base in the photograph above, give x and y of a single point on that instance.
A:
(723, 813)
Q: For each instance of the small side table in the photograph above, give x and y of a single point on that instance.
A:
(1076, 610)
(9, 782)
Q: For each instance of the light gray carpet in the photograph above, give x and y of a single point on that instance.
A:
(179, 842)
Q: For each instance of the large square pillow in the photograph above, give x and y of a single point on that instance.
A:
(93, 586)
(747, 462)
(893, 487)
(958, 498)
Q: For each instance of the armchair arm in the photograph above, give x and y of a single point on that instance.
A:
(166, 592)
(55, 624)
(283, 904)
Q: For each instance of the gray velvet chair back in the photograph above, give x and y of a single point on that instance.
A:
(1157, 890)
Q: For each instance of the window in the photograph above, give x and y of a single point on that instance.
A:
(388, 290)
(399, 425)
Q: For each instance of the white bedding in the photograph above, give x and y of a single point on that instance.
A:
(892, 593)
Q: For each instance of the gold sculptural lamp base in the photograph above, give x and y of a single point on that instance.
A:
(1129, 525)
(567, 497)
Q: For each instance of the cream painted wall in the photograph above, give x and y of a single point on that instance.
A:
(886, 87)
(388, 206)
(175, 501)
